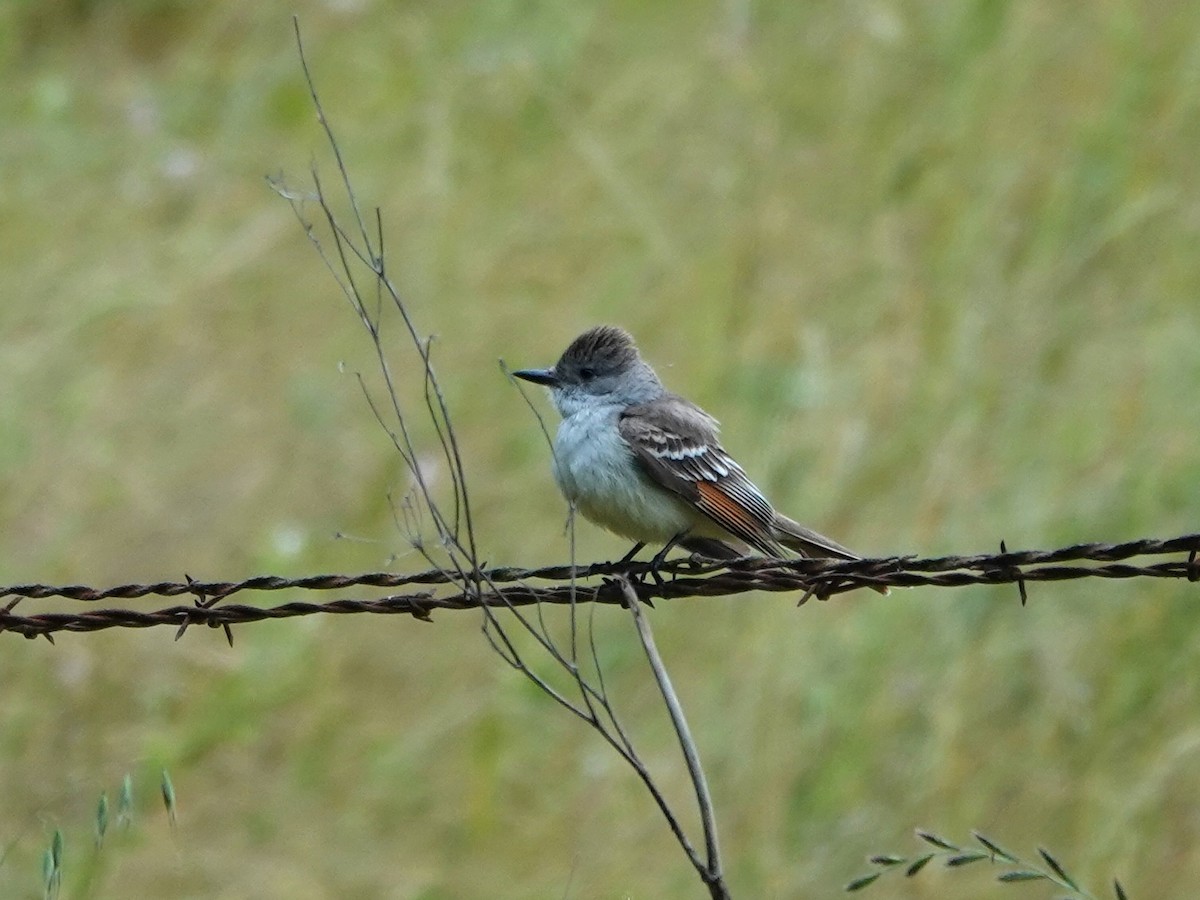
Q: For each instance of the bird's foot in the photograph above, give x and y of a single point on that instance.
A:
(628, 557)
(660, 557)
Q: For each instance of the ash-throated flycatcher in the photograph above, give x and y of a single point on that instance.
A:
(647, 464)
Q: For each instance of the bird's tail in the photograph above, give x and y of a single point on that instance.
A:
(807, 542)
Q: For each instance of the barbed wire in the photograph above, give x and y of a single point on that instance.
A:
(507, 586)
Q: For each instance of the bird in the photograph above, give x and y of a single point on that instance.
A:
(648, 465)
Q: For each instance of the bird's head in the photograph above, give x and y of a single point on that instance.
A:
(601, 366)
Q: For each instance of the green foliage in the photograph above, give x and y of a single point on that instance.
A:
(86, 871)
(953, 857)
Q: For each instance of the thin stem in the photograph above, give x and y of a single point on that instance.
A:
(316, 101)
(711, 872)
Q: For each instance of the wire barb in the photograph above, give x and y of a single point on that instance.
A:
(508, 587)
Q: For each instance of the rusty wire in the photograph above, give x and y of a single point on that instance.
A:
(508, 586)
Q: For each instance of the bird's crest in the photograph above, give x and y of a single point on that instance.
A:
(608, 346)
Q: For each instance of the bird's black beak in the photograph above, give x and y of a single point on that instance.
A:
(538, 376)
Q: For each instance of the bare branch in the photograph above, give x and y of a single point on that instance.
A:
(711, 870)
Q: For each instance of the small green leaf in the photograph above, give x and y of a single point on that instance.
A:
(168, 795)
(930, 838)
(1120, 891)
(51, 871)
(888, 859)
(859, 883)
(1058, 869)
(999, 852)
(1022, 875)
(125, 801)
(918, 864)
(101, 819)
(963, 859)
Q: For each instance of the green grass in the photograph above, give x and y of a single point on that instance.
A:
(943, 257)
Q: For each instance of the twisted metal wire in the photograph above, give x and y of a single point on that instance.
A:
(505, 586)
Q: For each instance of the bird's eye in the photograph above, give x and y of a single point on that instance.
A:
(587, 373)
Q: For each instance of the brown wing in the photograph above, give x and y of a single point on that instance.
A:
(676, 444)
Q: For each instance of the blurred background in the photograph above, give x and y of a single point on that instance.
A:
(934, 266)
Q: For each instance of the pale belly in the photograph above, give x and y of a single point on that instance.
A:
(597, 472)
